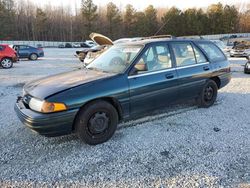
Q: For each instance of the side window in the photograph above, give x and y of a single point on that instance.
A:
(23, 47)
(156, 57)
(1, 48)
(184, 54)
(212, 51)
(149, 54)
(200, 58)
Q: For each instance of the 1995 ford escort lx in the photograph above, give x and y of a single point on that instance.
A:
(125, 81)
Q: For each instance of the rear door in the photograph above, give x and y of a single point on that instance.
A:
(155, 82)
(192, 67)
(23, 51)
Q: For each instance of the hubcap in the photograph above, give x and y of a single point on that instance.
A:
(6, 63)
(33, 56)
(209, 92)
(98, 123)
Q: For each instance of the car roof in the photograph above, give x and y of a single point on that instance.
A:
(158, 40)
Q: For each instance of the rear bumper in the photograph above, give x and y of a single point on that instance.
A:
(53, 124)
(225, 79)
(41, 54)
(15, 59)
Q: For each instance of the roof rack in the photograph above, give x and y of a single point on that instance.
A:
(159, 37)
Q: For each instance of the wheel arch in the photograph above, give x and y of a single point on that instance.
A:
(113, 101)
(5, 57)
(216, 79)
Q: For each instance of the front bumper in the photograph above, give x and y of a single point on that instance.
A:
(239, 54)
(53, 124)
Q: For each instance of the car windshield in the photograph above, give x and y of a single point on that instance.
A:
(116, 59)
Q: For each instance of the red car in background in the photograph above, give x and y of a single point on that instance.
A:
(7, 56)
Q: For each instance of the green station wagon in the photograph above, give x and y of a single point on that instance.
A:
(128, 80)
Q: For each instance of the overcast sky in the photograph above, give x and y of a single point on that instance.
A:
(141, 4)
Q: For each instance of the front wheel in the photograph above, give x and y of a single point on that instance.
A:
(96, 122)
(208, 94)
(6, 63)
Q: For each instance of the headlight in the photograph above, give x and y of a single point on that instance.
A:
(46, 107)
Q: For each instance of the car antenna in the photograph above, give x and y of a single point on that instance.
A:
(163, 25)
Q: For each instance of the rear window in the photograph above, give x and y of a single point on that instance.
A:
(212, 51)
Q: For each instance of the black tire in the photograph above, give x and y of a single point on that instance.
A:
(33, 57)
(246, 71)
(6, 63)
(96, 122)
(208, 94)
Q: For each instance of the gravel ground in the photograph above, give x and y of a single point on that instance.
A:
(183, 146)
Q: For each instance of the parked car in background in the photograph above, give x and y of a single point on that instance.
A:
(88, 54)
(85, 45)
(7, 56)
(25, 51)
(76, 45)
(90, 43)
(126, 81)
(61, 46)
(247, 65)
(68, 45)
(92, 53)
(241, 49)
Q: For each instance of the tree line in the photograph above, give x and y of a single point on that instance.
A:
(23, 20)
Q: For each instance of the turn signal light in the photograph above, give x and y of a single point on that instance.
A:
(53, 107)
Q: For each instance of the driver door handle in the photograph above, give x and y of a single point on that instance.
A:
(169, 76)
(206, 68)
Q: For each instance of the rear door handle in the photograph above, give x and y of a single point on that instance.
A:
(206, 68)
(169, 76)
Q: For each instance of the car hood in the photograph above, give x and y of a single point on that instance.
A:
(46, 87)
(100, 39)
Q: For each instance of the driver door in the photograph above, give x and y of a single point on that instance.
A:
(153, 81)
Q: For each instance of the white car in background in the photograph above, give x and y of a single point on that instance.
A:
(240, 50)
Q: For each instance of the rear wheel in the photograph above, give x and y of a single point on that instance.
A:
(6, 63)
(208, 94)
(33, 57)
(96, 122)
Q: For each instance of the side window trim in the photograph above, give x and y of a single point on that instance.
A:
(151, 73)
(200, 50)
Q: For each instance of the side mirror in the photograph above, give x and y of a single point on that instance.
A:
(138, 68)
(248, 57)
(141, 67)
